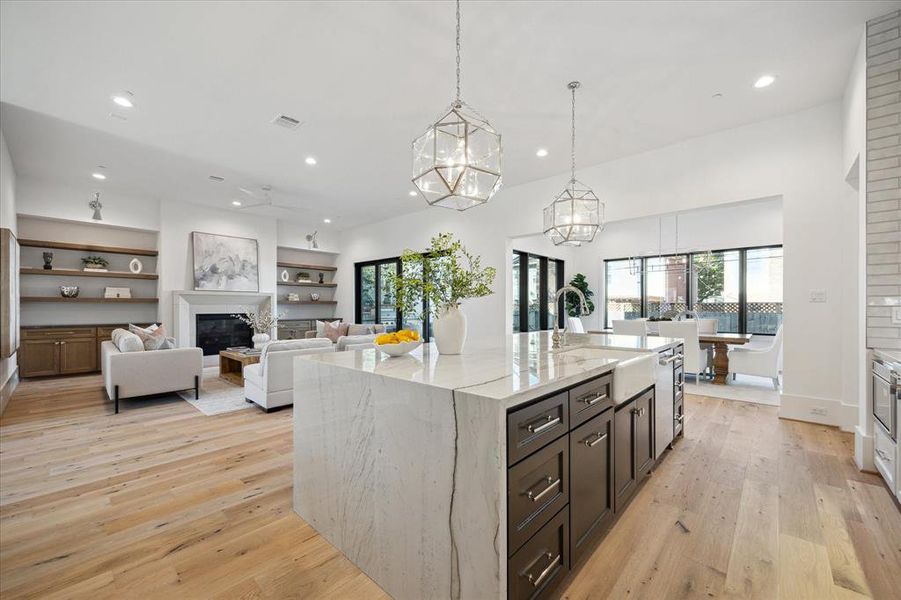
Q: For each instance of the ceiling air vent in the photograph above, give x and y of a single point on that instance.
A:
(216, 178)
(286, 122)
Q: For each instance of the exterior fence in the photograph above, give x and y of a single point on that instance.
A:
(762, 317)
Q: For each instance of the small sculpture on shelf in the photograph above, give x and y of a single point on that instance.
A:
(293, 298)
(314, 297)
(48, 259)
(68, 291)
(135, 266)
(321, 278)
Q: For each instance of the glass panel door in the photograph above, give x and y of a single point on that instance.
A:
(367, 294)
(534, 281)
(764, 289)
(667, 286)
(623, 290)
(387, 303)
(716, 286)
(516, 263)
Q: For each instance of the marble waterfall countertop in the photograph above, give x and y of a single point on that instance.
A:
(522, 368)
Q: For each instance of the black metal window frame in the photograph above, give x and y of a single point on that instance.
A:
(543, 290)
(358, 295)
(742, 281)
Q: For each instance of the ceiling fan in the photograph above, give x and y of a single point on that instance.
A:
(261, 198)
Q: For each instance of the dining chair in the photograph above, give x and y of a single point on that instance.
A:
(574, 325)
(760, 362)
(696, 360)
(708, 325)
(630, 327)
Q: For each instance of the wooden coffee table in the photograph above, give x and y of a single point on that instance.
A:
(231, 365)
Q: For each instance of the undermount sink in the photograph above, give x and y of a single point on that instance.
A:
(634, 371)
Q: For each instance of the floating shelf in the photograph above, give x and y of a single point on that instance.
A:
(292, 265)
(312, 284)
(79, 273)
(86, 299)
(87, 247)
(308, 302)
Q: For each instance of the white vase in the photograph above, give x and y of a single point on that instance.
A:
(450, 331)
(259, 340)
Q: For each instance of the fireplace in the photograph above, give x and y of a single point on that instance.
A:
(218, 331)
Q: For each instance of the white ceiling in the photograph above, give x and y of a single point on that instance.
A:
(367, 77)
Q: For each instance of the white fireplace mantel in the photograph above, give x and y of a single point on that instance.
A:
(187, 304)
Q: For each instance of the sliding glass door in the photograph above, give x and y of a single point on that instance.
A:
(716, 288)
(535, 278)
(623, 290)
(375, 301)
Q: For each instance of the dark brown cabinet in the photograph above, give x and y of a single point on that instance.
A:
(643, 418)
(591, 475)
(77, 355)
(537, 488)
(49, 351)
(536, 569)
(633, 433)
(39, 357)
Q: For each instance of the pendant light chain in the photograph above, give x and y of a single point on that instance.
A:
(573, 86)
(458, 52)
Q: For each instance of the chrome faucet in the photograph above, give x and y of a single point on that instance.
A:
(583, 310)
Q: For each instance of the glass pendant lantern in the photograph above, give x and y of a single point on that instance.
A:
(576, 214)
(457, 161)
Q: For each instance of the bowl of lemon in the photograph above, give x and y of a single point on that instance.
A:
(398, 343)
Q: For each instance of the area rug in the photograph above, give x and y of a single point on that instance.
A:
(217, 396)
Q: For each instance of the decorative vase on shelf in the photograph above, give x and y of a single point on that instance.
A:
(450, 331)
(48, 259)
(259, 340)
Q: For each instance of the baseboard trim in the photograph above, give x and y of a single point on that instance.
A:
(8, 388)
(837, 413)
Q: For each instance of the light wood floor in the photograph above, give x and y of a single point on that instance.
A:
(163, 502)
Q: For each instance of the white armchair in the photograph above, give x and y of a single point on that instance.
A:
(697, 360)
(270, 382)
(630, 327)
(760, 362)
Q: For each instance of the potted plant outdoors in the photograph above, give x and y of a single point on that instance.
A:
(572, 301)
(261, 322)
(445, 274)
(94, 263)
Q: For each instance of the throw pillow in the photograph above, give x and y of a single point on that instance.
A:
(355, 329)
(126, 341)
(320, 326)
(333, 332)
(152, 340)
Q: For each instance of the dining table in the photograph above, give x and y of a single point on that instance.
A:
(720, 343)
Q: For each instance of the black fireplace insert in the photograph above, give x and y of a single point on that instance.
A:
(216, 332)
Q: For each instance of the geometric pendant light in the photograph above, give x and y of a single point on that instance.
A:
(576, 214)
(457, 161)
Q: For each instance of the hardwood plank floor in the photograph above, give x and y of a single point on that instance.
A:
(161, 501)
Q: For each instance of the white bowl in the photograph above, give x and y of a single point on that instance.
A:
(399, 349)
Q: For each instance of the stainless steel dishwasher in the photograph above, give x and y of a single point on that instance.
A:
(665, 399)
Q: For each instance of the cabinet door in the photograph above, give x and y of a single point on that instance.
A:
(591, 482)
(77, 355)
(643, 418)
(623, 455)
(39, 357)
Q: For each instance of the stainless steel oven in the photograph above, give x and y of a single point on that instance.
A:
(886, 376)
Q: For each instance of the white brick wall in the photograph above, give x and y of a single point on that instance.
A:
(883, 182)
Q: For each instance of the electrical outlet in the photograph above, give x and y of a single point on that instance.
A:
(896, 315)
(819, 411)
(817, 295)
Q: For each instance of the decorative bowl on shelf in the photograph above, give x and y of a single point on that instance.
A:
(314, 297)
(68, 291)
(400, 348)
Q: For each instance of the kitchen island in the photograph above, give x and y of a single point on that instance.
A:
(432, 473)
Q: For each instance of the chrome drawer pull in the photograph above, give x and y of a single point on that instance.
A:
(553, 485)
(537, 581)
(600, 438)
(671, 359)
(638, 412)
(592, 400)
(550, 422)
(679, 418)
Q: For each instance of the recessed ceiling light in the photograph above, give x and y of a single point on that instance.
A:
(764, 81)
(310, 160)
(413, 193)
(98, 175)
(124, 99)
(541, 153)
(326, 220)
(236, 203)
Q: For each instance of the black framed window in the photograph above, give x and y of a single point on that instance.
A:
(375, 300)
(535, 278)
(740, 287)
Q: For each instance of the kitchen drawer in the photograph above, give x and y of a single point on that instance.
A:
(537, 488)
(538, 568)
(678, 417)
(591, 483)
(678, 383)
(58, 332)
(536, 425)
(589, 399)
(884, 453)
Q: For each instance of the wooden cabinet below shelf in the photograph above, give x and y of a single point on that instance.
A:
(39, 357)
(77, 356)
(47, 351)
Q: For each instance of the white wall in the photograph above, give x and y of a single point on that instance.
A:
(796, 157)
(8, 220)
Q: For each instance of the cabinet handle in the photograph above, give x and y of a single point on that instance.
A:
(638, 412)
(553, 483)
(671, 359)
(592, 400)
(600, 438)
(679, 418)
(882, 455)
(63, 343)
(548, 420)
(537, 581)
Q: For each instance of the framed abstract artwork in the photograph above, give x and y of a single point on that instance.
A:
(225, 263)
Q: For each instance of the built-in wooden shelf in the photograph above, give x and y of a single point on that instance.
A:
(79, 273)
(293, 265)
(87, 247)
(311, 284)
(87, 299)
(308, 302)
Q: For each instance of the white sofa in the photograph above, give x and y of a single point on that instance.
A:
(146, 372)
(270, 382)
(356, 336)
